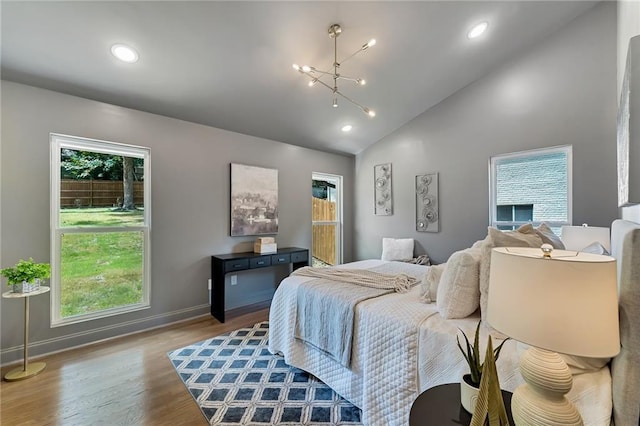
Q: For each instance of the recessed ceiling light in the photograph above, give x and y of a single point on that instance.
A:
(347, 128)
(124, 53)
(478, 30)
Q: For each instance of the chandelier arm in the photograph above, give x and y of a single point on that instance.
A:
(335, 56)
(323, 83)
(366, 110)
(321, 72)
(344, 77)
(351, 56)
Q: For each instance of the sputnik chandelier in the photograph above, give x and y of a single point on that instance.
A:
(316, 75)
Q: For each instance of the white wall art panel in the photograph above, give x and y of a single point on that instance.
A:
(427, 219)
(383, 196)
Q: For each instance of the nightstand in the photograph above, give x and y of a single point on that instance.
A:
(440, 406)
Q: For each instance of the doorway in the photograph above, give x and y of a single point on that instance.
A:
(326, 219)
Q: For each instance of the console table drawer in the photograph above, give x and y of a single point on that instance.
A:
(260, 262)
(299, 256)
(236, 265)
(280, 258)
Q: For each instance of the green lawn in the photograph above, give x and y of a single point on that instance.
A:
(100, 270)
(101, 216)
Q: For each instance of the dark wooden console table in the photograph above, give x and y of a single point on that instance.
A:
(222, 264)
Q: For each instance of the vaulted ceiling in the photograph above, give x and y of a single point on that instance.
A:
(228, 64)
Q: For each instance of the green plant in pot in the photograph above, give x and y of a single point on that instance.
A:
(471, 381)
(26, 275)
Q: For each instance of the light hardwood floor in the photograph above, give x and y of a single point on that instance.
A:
(126, 381)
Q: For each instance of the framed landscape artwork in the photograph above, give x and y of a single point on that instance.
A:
(254, 200)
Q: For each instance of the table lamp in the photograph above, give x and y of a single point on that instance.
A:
(579, 237)
(555, 301)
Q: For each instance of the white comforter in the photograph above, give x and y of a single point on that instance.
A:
(402, 347)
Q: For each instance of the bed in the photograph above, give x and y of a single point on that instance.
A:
(402, 346)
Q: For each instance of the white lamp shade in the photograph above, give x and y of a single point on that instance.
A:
(579, 237)
(566, 304)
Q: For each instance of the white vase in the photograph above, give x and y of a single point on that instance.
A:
(26, 287)
(468, 393)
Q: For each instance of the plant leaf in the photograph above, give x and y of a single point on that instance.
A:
(496, 351)
(476, 350)
(463, 352)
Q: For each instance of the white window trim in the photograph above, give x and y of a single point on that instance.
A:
(567, 149)
(59, 142)
(339, 212)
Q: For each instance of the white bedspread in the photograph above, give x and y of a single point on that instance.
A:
(402, 347)
(321, 301)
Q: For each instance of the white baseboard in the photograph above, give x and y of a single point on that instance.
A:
(14, 354)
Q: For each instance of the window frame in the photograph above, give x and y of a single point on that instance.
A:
(57, 143)
(493, 162)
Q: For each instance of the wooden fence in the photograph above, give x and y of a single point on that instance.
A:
(97, 193)
(324, 236)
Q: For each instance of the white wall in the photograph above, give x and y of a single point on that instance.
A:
(190, 207)
(561, 91)
(628, 26)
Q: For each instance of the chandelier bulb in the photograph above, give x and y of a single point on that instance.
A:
(306, 68)
(370, 112)
(368, 44)
(335, 102)
(296, 67)
(313, 82)
(361, 81)
(477, 30)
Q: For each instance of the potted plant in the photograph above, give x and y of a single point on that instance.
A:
(26, 275)
(470, 384)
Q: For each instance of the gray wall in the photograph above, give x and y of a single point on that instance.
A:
(561, 91)
(190, 207)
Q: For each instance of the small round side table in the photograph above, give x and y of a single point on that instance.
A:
(441, 406)
(27, 370)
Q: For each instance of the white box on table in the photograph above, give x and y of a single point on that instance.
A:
(265, 248)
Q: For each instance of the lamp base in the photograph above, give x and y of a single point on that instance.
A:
(541, 401)
(530, 408)
(20, 373)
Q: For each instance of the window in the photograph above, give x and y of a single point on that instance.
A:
(514, 213)
(531, 186)
(326, 220)
(100, 227)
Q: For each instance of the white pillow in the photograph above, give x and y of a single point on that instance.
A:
(596, 248)
(583, 364)
(459, 287)
(430, 281)
(397, 249)
(547, 236)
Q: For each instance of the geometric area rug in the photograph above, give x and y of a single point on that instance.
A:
(235, 380)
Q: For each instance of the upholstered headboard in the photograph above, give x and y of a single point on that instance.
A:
(625, 367)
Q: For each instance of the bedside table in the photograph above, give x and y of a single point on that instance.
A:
(440, 406)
